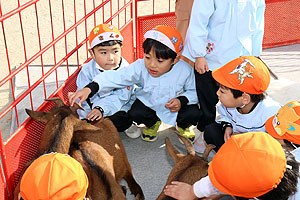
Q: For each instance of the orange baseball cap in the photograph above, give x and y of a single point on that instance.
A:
(286, 123)
(54, 176)
(167, 35)
(248, 165)
(103, 33)
(247, 74)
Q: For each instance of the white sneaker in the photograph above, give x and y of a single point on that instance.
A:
(200, 144)
(133, 132)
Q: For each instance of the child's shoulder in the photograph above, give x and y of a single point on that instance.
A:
(183, 65)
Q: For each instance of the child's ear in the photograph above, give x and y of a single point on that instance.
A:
(92, 53)
(246, 98)
(176, 59)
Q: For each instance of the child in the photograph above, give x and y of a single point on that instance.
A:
(248, 166)
(105, 48)
(166, 91)
(54, 176)
(244, 107)
(285, 126)
(220, 31)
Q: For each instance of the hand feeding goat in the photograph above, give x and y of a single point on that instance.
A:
(98, 148)
(188, 168)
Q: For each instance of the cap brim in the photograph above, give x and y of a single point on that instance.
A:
(219, 77)
(270, 128)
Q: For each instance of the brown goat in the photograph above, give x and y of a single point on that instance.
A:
(103, 159)
(188, 168)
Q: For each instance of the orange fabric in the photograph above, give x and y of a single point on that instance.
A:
(286, 123)
(167, 35)
(248, 165)
(102, 33)
(54, 176)
(247, 74)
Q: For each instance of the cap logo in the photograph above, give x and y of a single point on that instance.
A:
(284, 121)
(241, 71)
(111, 36)
(110, 27)
(101, 37)
(174, 40)
(96, 30)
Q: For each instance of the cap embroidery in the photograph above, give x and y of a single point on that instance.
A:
(111, 35)
(180, 46)
(174, 40)
(101, 37)
(241, 71)
(96, 30)
(110, 27)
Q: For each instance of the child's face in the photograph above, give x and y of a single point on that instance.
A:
(157, 66)
(227, 99)
(107, 57)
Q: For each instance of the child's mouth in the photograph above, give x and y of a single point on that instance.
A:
(153, 72)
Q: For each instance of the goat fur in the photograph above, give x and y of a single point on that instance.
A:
(188, 168)
(98, 148)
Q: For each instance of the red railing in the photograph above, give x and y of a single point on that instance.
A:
(44, 43)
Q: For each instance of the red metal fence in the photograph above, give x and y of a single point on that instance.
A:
(44, 43)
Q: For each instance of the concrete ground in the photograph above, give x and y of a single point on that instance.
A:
(151, 163)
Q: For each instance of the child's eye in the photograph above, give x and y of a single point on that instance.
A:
(103, 52)
(146, 57)
(116, 51)
(160, 61)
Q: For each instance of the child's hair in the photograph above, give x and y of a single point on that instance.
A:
(255, 98)
(288, 184)
(108, 43)
(161, 50)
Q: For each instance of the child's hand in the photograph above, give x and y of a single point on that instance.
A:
(81, 94)
(180, 190)
(174, 105)
(201, 65)
(228, 133)
(95, 114)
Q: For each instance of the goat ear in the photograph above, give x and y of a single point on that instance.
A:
(76, 106)
(58, 102)
(39, 115)
(80, 125)
(176, 155)
(188, 144)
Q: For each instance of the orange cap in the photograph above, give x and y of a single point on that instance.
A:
(54, 176)
(286, 123)
(248, 165)
(247, 74)
(103, 33)
(167, 35)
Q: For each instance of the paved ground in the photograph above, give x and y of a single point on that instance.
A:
(150, 162)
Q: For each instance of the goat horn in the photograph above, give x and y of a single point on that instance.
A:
(76, 106)
(208, 148)
(58, 101)
(188, 144)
